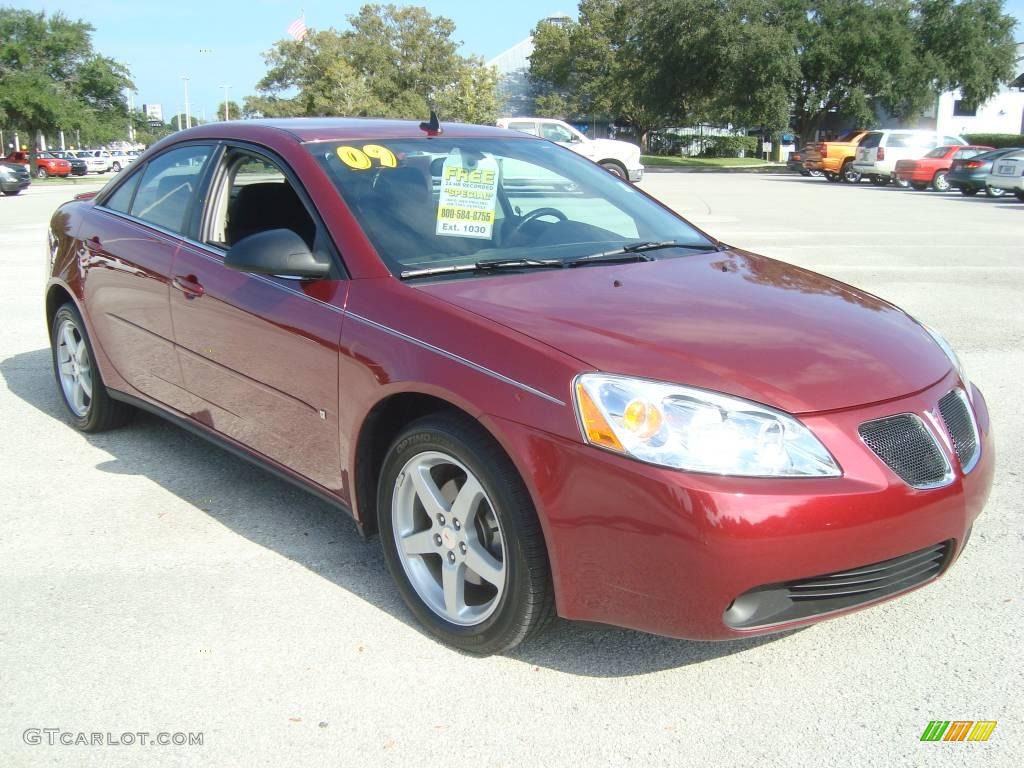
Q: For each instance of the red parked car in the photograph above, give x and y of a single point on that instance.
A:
(543, 389)
(46, 164)
(931, 170)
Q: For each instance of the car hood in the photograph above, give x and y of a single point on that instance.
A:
(615, 148)
(731, 322)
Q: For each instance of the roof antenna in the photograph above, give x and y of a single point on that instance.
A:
(434, 126)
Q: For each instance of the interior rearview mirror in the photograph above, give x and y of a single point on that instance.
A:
(276, 252)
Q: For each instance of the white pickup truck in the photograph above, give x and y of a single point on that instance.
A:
(618, 157)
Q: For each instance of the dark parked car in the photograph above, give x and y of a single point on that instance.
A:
(78, 166)
(14, 177)
(544, 390)
(969, 175)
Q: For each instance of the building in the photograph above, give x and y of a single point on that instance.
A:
(515, 96)
(1003, 113)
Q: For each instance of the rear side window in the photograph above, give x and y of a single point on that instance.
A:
(168, 187)
(121, 200)
(964, 154)
(525, 126)
(938, 152)
(871, 140)
(902, 140)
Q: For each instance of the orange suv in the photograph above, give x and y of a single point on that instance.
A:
(835, 158)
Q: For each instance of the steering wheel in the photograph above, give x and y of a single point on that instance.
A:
(536, 214)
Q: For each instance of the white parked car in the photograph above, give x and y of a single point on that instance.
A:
(878, 151)
(120, 159)
(98, 160)
(619, 157)
(1008, 174)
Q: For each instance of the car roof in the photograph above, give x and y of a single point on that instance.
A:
(309, 129)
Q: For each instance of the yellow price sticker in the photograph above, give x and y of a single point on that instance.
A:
(359, 159)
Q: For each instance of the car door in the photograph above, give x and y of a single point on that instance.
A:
(129, 239)
(261, 352)
(526, 126)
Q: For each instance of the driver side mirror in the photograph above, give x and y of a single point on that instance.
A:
(276, 252)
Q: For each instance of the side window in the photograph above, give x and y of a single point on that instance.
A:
(900, 140)
(526, 126)
(253, 196)
(555, 132)
(168, 187)
(965, 154)
(121, 200)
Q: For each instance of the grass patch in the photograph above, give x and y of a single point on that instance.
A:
(703, 162)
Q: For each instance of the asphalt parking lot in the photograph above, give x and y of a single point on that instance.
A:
(152, 583)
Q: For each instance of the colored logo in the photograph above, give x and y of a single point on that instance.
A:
(958, 730)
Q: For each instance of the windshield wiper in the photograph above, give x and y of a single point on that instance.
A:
(484, 265)
(637, 251)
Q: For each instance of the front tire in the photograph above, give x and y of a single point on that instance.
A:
(901, 183)
(919, 186)
(78, 378)
(461, 537)
(41, 173)
(116, 167)
(848, 175)
(831, 177)
(1019, 194)
(13, 192)
(616, 169)
(994, 192)
(968, 191)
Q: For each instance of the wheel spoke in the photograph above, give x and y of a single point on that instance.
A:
(85, 382)
(485, 565)
(453, 579)
(78, 397)
(419, 543)
(467, 501)
(428, 492)
(66, 369)
(82, 355)
(69, 341)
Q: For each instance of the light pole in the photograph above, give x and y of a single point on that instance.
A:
(227, 109)
(188, 113)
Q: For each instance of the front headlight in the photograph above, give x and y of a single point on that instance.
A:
(696, 430)
(946, 347)
(6, 173)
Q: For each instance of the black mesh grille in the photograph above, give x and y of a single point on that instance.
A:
(908, 448)
(960, 425)
(831, 592)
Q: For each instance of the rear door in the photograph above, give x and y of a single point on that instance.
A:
(260, 353)
(130, 238)
(868, 148)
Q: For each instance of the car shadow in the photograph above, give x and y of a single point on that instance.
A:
(273, 514)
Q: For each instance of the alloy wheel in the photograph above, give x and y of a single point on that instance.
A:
(940, 182)
(449, 539)
(74, 369)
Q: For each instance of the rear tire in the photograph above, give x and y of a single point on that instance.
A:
(449, 499)
(901, 183)
(993, 192)
(940, 183)
(815, 173)
(1019, 194)
(831, 177)
(879, 181)
(968, 191)
(78, 379)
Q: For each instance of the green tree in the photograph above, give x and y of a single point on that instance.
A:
(391, 62)
(234, 111)
(591, 67)
(52, 79)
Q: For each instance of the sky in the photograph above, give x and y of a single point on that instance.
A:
(221, 42)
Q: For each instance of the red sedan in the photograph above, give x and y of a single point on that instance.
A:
(931, 170)
(545, 390)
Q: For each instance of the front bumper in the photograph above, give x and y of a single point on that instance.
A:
(669, 552)
(635, 174)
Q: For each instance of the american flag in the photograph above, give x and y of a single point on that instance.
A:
(297, 28)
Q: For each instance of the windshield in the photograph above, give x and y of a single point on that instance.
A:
(431, 203)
